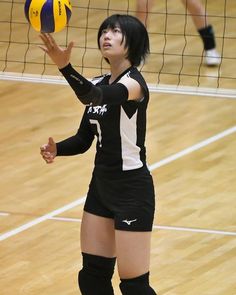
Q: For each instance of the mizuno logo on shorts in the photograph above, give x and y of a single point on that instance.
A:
(129, 221)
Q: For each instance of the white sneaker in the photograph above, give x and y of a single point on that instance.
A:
(212, 57)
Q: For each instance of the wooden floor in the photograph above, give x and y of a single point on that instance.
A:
(194, 238)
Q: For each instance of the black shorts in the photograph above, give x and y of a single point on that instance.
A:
(129, 199)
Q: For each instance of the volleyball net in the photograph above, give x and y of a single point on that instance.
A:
(176, 62)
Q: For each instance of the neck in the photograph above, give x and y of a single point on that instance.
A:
(117, 68)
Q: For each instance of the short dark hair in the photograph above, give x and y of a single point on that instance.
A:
(134, 33)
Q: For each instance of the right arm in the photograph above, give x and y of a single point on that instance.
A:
(74, 145)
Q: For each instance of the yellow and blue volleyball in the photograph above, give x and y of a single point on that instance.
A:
(48, 16)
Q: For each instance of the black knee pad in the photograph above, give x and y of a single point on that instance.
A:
(95, 276)
(137, 286)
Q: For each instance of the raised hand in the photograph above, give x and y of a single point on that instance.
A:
(49, 151)
(60, 56)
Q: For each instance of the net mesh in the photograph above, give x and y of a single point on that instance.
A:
(176, 57)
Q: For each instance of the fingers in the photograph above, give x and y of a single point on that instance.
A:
(47, 155)
(60, 56)
(48, 41)
(43, 48)
(51, 40)
(70, 46)
(43, 148)
(51, 141)
(44, 39)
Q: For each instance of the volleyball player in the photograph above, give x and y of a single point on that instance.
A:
(119, 209)
(199, 17)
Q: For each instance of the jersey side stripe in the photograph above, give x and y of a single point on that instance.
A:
(130, 152)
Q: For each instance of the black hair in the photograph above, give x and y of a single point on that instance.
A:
(134, 33)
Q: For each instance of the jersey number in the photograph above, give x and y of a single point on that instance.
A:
(99, 132)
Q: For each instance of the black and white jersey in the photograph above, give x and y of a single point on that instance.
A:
(120, 129)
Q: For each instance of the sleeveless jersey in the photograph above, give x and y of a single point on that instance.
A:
(120, 129)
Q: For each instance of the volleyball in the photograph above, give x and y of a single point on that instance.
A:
(48, 16)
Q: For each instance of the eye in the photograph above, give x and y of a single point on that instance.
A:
(117, 30)
(104, 31)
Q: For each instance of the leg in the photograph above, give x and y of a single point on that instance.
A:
(199, 17)
(133, 260)
(98, 248)
(197, 12)
(142, 9)
(97, 235)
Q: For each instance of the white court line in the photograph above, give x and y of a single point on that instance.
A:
(193, 148)
(4, 214)
(164, 227)
(160, 88)
(161, 227)
(41, 219)
(196, 230)
(67, 219)
(152, 167)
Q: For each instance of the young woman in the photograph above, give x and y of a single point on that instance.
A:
(200, 20)
(119, 210)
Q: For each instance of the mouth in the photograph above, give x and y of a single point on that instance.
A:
(106, 45)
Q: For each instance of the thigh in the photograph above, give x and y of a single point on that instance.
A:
(97, 235)
(133, 253)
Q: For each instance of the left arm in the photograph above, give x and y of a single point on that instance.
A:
(118, 93)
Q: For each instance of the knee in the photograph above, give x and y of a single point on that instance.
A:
(137, 286)
(95, 276)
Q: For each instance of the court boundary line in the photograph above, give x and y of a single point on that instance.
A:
(164, 227)
(42, 219)
(160, 88)
(152, 167)
(4, 214)
(159, 227)
(193, 148)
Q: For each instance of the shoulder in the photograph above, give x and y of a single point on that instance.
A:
(134, 77)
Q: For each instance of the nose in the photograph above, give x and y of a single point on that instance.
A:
(107, 34)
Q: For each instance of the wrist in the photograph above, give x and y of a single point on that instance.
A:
(61, 68)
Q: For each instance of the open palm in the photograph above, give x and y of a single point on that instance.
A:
(60, 56)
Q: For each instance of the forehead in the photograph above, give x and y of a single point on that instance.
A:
(111, 25)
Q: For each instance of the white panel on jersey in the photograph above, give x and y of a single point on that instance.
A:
(129, 149)
(98, 79)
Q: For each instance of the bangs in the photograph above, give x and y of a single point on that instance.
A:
(110, 23)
